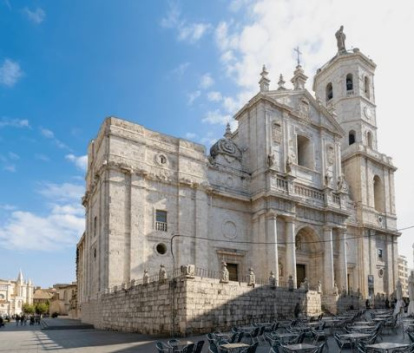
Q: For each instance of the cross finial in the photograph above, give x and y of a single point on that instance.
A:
(298, 53)
(227, 134)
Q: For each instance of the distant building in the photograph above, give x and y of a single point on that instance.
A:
(42, 296)
(62, 302)
(403, 273)
(15, 293)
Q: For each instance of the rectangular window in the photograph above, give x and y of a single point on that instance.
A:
(380, 253)
(233, 272)
(161, 220)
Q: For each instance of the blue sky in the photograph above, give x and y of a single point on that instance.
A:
(179, 67)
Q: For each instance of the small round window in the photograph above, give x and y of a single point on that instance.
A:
(381, 272)
(161, 249)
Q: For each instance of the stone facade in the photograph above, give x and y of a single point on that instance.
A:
(194, 305)
(13, 294)
(298, 189)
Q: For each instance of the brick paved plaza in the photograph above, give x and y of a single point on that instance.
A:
(31, 339)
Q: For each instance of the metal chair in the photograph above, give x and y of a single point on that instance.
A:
(342, 343)
(162, 347)
(188, 349)
(199, 347)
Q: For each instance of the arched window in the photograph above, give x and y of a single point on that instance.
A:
(329, 92)
(369, 139)
(366, 86)
(351, 137)
(305, 152)
(378, 194)
(349, 83)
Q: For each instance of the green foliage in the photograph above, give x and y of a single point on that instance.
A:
(42, 308)
(28, 308)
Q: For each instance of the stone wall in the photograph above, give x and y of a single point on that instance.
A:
(193, 305)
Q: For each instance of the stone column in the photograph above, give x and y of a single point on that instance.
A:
(273, 248)
(343, 264)
(328, 278)
(291, 250)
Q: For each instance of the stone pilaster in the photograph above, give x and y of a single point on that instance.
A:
(343, 264)
(273, 247)
(328, 279)
(290, 250)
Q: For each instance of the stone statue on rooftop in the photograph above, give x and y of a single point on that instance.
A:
(340, 39)
(252, 277)
(162, 274)
(224, 273)
(272, 280)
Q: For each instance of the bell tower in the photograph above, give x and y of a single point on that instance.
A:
(345, 86)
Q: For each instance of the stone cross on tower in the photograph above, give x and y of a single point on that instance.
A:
(298, 53)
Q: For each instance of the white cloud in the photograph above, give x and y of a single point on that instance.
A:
(190, 135)
(42, 157)
(49, 134)
(192, 32)
(193, 96)
(10, 168)
(62, 192)
(10, 73)
(214, 96)
(13, 156)
(81, 162)
(18, 123)
(7, 207)
(216, 117)
(188, 32)
(206, 81)
(36, 16)
(60, 228)
(180, 69)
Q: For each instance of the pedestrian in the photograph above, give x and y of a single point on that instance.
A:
(297, 310)
(17, 318)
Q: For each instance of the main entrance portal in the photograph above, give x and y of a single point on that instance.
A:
(300, 273)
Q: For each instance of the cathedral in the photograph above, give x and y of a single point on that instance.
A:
(299, 190)
(15, 293)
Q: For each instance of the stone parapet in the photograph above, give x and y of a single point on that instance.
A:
(194, 305)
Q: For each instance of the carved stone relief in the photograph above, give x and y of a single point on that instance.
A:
(229, 230)
(277, 133)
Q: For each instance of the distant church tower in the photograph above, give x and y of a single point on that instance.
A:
(345, 85)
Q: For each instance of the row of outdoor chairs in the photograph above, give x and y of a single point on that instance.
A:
(172, 346)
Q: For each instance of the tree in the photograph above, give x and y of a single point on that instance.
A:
(28, 308)
(42, 308)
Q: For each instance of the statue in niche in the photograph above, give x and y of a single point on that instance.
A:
(252, 278)
(224, 273)
(340, 39)
(288, 165)
(272, 280)
(328, 178)
(162, 274)
(342, 184)
(145, 277)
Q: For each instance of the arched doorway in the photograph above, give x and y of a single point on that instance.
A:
(309, 256)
